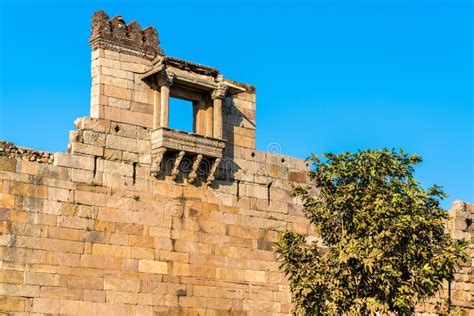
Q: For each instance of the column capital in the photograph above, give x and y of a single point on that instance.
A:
(219, 92)
(165, 78)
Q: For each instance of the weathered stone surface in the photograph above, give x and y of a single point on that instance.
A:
(95, 233)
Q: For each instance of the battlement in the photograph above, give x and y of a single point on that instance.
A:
(116, 35)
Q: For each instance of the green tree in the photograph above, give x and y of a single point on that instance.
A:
(384, 247)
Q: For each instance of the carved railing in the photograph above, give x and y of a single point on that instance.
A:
(181, 144)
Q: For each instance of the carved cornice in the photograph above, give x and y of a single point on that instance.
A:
(192, 67)
(166, 78)
(219, 93)
(115, 35)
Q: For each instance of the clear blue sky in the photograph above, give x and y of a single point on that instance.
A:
(330, 75)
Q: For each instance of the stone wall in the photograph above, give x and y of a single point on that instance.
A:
(460, 291)
(93, 231)
(96, 234)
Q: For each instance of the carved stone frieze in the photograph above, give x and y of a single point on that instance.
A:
(175, 140)
(166, 78)
(219, 93)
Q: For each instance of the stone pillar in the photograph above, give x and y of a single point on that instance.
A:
(164, 108)
(200, 117)
(156, 107)
(209, 119)
(165, 81)
(217, 97)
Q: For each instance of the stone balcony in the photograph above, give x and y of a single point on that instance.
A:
(178, 145)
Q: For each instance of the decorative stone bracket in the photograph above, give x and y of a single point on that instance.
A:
(182, 144)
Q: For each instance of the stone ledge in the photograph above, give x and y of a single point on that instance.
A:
(173, 140)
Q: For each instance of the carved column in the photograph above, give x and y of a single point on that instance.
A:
(156, 107)
(165, 81)
(200, 117)
(217, 97)
(209, 119)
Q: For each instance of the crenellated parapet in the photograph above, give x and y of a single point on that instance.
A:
(114, 34)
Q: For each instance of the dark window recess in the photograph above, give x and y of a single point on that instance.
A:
(94, 171)
(269, 186)
(238, 190)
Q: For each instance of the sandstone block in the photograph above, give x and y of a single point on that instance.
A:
(27, 167)
(61, 245)
(85, 149)
(89, 123)
(133, 67)
(181, 269)
(130, 157)
(113, 81)
(57, 194)
(121, 297)
(106, 62)
(12, 304)
(4, 214)
(29, 190)
(93, 138)
(143, 253)
(117, 92)
(112, 154)
(90, 198)
(101, 262)
(206, 291)
(60, 293)
(121, 284)
(118, 168)
(94, 296)
(129, 228)
(7, 200)
(45, 305)
(11, 276)
(7, 164)
(82, 282)
(69, 307)
(256, 276)
(111, 250)
(82, 176)
(67, 259)
(114, 72)
(41, 279)
(121, 143)
(77, 162)
(150, 266)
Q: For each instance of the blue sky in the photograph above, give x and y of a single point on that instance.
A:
(330, 75)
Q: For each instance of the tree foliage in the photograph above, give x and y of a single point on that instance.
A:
(384, 249)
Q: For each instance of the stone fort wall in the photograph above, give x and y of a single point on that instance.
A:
(138, 219)
(92, 231)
